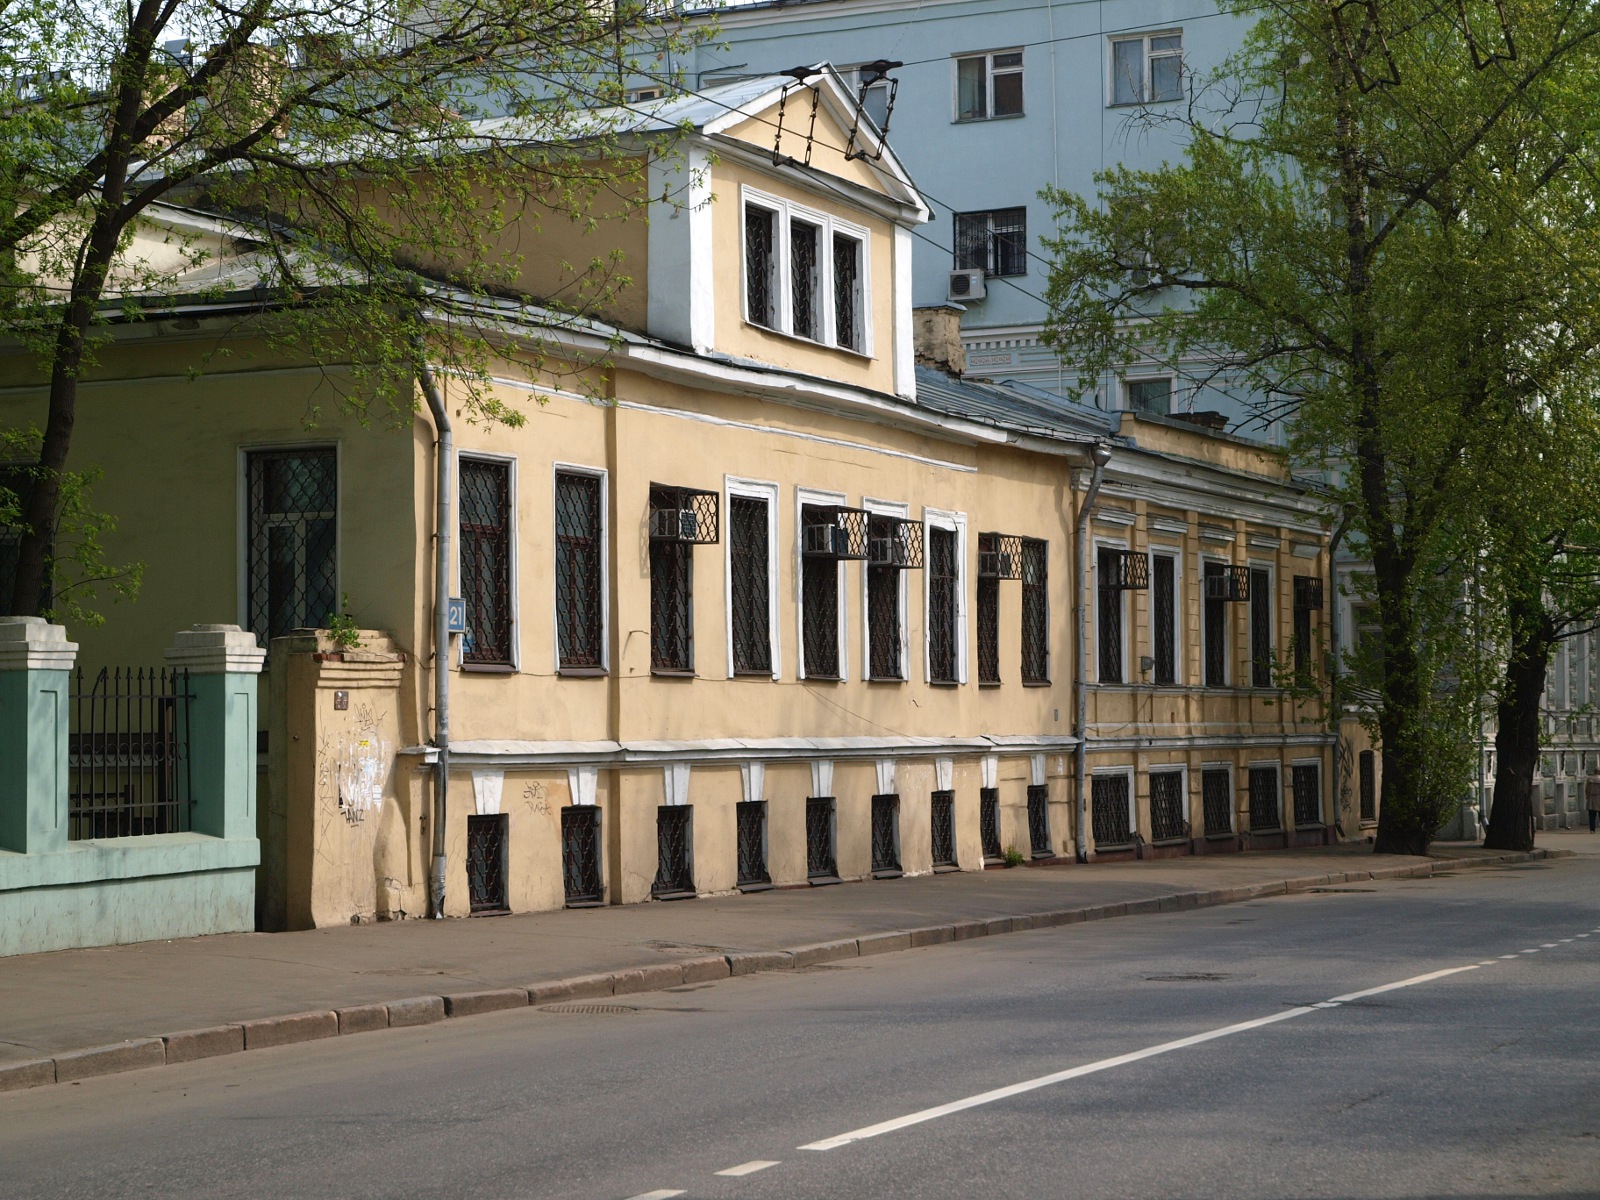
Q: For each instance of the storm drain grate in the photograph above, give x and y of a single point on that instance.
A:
(589, 1010)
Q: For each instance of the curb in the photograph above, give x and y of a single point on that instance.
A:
(193, 1044)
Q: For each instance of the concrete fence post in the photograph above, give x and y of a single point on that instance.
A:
(223, 662)
(35, 678)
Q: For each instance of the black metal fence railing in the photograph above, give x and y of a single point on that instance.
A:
(128, 757)
(674, 871)
(886, 834)
(989, 824)
(1166, 807)
(751, 816)
(1039, 820)
(580, 855)
(820, 862)
(944, 829)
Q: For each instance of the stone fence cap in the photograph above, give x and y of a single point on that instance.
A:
(216, 650)
(34, 644)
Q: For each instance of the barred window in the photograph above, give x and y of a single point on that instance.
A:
(760, 267)
(804, 277)
(994, 242)
(988, 629)
(750, 584)
(1216, 794)
(805, 273)
(1260, 628)
(485, 489)
(1108, 618)
(1216, 629)
(1307, 782)
(884, 617)
(1369, 786)
(1167, 822)
(1164, 605)
(819, 605)
(1265, 800)
(1307, 599)
(848, 319)
(671, 585)
(1111, 818)
(293, 540)
(944, 578)
(580, 604)
(1035, 611)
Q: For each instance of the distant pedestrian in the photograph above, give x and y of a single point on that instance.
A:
(1591, 796)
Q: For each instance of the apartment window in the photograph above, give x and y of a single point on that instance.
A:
(640, 95)
(484, 486)
(1035, 611)
(988, 629)
(1147, 69)
(885, 617)
(989, 85)
(1260, 628)
(805, 273)
(750, 583)
(1108, 615)
(1369, 786)
(819, 601)
(292, 540)
(1112, 815)
(680, 519)
(1307, 782)
(1152, 397)
(994, 242)
(1216, 797)
(1164, 617)
(1307, 600)
(1216, 625)
(580, 591)
(1167, 822)
(944, 581)
(875, 97)
(1265, 800)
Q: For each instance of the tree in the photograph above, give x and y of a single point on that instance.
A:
(356, 146)
(1357, 236)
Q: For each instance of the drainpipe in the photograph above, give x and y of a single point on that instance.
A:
(1100, 455)
(441, 626)
(1333, 648)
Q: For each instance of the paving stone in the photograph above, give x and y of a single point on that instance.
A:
(823, 952)
(549, 993)
(748, 962)
(1135, 908)
(14, 1076)
(191, 1044)
(470, 1004)
(415, 1010)
(284, 1031)
(363, 1018)
(654, 978)
(961, 931)
(591, 987)
(883, 943)
(932, 935)
(704, 970)
(108, 1060)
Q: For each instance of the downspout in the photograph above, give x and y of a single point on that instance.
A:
(1100, 455)
(1333, 649)
(441, 625)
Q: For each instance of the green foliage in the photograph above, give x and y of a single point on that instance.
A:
(1014, 857)
(342, 627)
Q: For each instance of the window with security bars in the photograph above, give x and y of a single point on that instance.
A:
(1369, 785)
(671, 619)
(760, 266)
(674, 840)
(486, 862)
(1039, 820)
(886, 834)
(1108, 617)
(994, 242)
(292, 540)
(1110, 816)
(750, 585)
(1167, 823)
(848, 319)
(820, 862)
(1216, 628)
(1035, 611)
(1307, 783)
(804, 278)
(1216, 798)
(580, 855)
(944, 828)
(884, 618)
(484, 486)
(819, 605)
(989, 824)
(580, 611)
(988, 630)
(944, 578)
(1260, 628)
(1307, 599)
(1265, 800)
(1164, 617)
(751, 829)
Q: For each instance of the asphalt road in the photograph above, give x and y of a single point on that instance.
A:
(1481, 1082)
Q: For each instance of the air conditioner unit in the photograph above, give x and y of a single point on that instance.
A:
(826, 540)
(889, 551)
(674, 525)
(997, 564)
(966, 285)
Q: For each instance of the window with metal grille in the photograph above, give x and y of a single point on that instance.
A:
(1307, 783)
(1265, 800)
(819, 605)
(804, 277)
(750, 584)
(1039, 820)
(1110, 816)
(1260, 628)
(1307, 599)
(848, 322)
(1216, 627)
(760, 267)
(820, 862)
(944, 828)
(1167, 823)
(751, 819)
(994, 242)
(292, 540)
(485, 491)
(16, 484)
(1369, 786)
(988, 630)
(486, 862)
(989, 85)
(943, 580)
(674, 842)
(580, 604)
(1108, 617)
(885, 622)
(580, 855)
(671, 588)
(1035, 611)
(1216, 797)
(886, 835)
(1164, 617)
(989, 824)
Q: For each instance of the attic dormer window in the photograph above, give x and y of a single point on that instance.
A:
(805, 273)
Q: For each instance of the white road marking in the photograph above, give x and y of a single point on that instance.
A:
(658, 1194)
(1564, 941)
(1527, 952)
(749, 1168)
(1549, 946)
(1508, 956)
(1105, 1064)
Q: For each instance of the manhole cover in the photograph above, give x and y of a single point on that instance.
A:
(589, 1010)
(1192, 977)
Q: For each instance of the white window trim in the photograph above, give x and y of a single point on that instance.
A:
(1181, 770)
(886, 508)
(786, 211)
(1127, 399)
(600, 473)
(1144, 83)
(1277, 764)
(1322, 798)
(1133, 797)
(754, 489)
(1094, 570)
(459, 650)
(802, 497)
(1259, 564)
(1233, 795)
(1227, 624)
(243, 453)
(988, 84)
(938, 518)
(1163, 550)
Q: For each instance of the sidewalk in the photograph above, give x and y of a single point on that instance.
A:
(129, 1000)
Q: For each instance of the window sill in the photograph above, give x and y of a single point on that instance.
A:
(988, 684)
(889, 873)
(986, 120)
(674, 895)
(812, 342)
(1142, 103)
(581, 672)
(944, 683)
(945, 868)
(822, 880)
(821, 679)
(672, 672)
(1036, 683)
(767, 674)
(756, 886)
(886, 679)
(489, 668)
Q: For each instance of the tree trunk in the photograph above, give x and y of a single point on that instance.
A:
(1516, 739)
